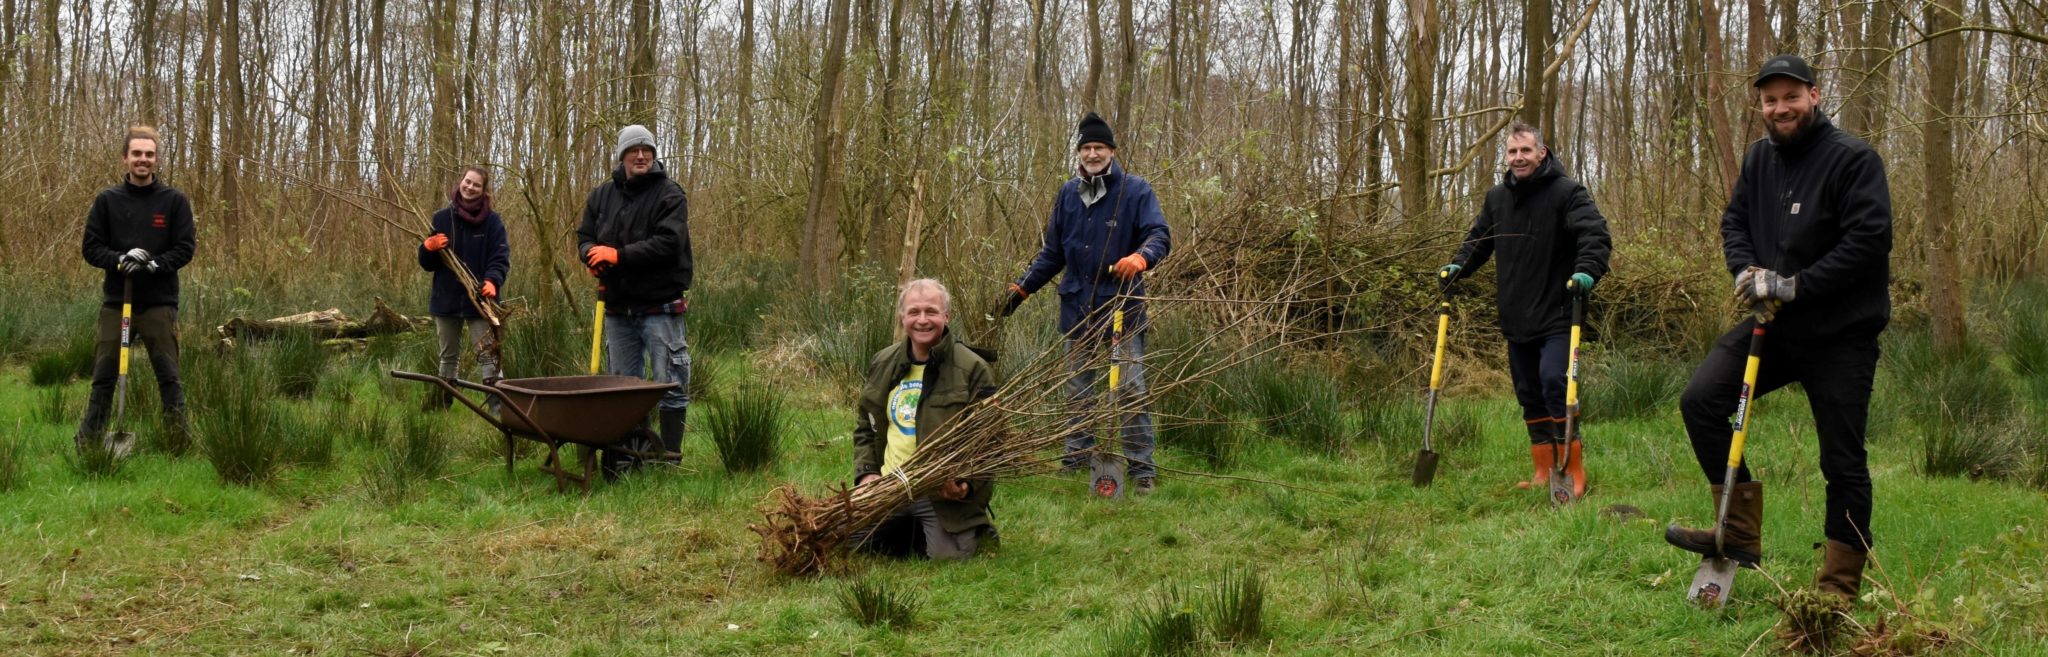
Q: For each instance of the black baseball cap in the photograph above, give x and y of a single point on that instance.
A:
(1790, 66)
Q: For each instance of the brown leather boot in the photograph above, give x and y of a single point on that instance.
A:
(1743, 541)
(1841, 570)
(1575, 465)
(1545, 457)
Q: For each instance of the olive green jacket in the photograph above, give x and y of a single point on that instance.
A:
(953, 378)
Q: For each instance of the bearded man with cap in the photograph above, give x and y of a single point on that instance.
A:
(1105, 231)
(1808, 239)
(635, 238)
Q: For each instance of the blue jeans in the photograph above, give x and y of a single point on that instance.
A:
(635, 341)
(1082, 395)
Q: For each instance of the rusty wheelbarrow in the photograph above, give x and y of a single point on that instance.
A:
(590, 412)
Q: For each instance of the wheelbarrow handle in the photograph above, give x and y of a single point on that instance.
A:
(451, 385)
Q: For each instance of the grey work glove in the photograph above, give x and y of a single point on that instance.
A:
(133, 260)
(1764, 291)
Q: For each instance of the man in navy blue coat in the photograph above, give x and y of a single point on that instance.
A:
(1105, 231)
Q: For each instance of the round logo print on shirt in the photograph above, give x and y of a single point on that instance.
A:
(903, 405)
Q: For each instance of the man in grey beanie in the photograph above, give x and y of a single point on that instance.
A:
(635, 238)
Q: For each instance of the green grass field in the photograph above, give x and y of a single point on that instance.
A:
(164, 558)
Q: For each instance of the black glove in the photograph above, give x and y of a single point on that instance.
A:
(133, 260)
(1012, 298)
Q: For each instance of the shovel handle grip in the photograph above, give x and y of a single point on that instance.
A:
(1743, 405)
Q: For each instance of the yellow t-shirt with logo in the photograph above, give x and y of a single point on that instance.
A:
(903, 419)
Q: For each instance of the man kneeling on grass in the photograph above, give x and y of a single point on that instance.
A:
(913, 389)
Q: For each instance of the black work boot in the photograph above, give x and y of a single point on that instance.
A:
(1841, 570)
(1743, 541)
(177, 430)
(95, 422)
(672, 424)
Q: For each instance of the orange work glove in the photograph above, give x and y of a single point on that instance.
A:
(601, 256)
(490, 290)
(1130, 266)
(436, 242)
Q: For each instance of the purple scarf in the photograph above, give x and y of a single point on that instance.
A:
(471, 212)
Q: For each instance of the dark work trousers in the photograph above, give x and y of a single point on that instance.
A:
(1537, 367)
(1837, 375)
(914, 531)
(154, 329)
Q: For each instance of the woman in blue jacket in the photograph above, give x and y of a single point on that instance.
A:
(475, 235)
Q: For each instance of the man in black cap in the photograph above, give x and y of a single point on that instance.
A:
(1105, 231)
(1808, 238)
(635, 238)
(141, 232)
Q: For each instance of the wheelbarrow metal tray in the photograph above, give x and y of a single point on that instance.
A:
(592, 410)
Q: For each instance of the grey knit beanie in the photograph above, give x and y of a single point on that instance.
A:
(631, 136)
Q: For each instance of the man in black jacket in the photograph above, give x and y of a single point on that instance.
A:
(635, 238)
(1551, 243)
(139, 230)
(1808, 237)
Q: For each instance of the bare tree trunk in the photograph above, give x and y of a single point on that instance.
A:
(1091, 90)
(1788, 26)
(1537, 33)
(146, 34)
(1377, 81)
(1417, 197)
(441, 38)
(1350, 112)
(237, 127)
(1944, 275)
(1127, 73)
(745, 100)
(820, 245)
(1721, 143)
(1869, 89)
(640, 65)
(985, 58)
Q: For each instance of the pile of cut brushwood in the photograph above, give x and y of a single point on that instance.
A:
(1016, 433)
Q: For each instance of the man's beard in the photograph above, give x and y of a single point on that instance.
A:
(1799, 127)
(1096, 170)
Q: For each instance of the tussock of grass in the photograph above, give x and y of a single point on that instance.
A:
(296, 362)
(747, 428)
(551, 341)
(725, 313)
(54, 407)
(1236, 609)
(1167, 627)
(11, 461)
(240, 432)
(92, 459)
(2026, 333)
(415, 455)
(873, 603)
(1962, 404)
(1193, 420)
(1627, 385)
(1302, 405)
(50, 369)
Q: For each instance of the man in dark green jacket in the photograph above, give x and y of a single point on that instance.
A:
(1550, 243)
(140, 231)
(913, 390)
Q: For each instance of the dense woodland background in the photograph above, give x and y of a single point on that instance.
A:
(1341, 142)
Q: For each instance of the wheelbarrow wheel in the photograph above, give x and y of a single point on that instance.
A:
(627, 459)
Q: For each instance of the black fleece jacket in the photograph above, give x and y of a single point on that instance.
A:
(156, 218)
(648, 220)
(1541, 230)
(1817, 207)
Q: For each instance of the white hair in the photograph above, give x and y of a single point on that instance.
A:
(933, 284)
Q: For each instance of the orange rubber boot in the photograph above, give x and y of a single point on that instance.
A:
(1575, 465)
(1544, 455)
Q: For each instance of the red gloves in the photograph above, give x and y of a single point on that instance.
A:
(1129, 267)
(490, 290)
(601, 257)
(436, 242)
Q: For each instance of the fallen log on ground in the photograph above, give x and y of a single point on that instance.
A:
(329, 324)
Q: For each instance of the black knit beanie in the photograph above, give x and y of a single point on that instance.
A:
(1094, 129)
